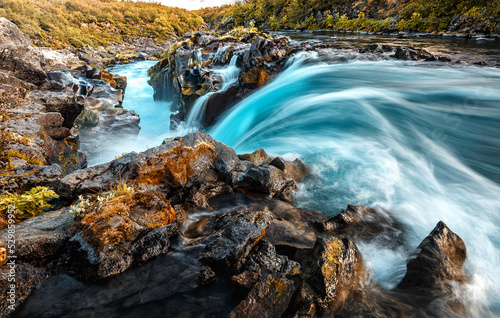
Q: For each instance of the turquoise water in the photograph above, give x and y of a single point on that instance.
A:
(420, 140)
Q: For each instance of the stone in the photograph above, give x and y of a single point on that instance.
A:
(207, 276)
(257, 157)
(42, 238)
(131, 228)
(270, 297)
(438, 260)
(263, 179)
(247, 279)
(239, 232)
(366, 224)
(336, 271)
(17, 54)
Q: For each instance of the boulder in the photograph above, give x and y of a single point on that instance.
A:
(438, 260)
(239, 231)
(270, 297)
(43, 238)
(66, 104)
(336, 271)
(410, 53)
(366, 224)
(264, 179)
(257, 157)
(17, 54)
(131, 228)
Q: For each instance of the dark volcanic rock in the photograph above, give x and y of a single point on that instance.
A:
(440, 258)
(257, 157)
(413, 54)
(116, 233)
(240, 231)
(360, 222)
(268, 298)
(264, 179)
(28, 278)
(41, 239)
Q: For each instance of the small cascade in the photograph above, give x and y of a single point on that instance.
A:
(229, 76)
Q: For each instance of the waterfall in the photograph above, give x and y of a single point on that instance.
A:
(229, 76)
(420, 140)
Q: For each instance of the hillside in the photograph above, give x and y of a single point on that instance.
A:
(59, 23)
(471, 16)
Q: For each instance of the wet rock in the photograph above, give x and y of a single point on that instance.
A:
(279, 163)
(239, 232)
(257, 157)
(377, 48)
(268, 298)
(366, 224)
(413, 54)
(439, 259)
(265, 260)
(87, 118)
(247, 279)
(263, 179)
(94, 73)
(296, 170)
(218, 103)
(336, 271)
(207, 276)
(402, 35)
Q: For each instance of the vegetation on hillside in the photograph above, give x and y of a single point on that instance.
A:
(369, 15)
(59, 23)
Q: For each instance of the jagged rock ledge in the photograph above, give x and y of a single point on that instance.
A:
(221, 224)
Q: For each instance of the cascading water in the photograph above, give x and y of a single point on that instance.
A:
(420, 140)
(155, 116)
(229, 76)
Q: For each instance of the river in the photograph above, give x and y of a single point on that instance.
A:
(421, 140)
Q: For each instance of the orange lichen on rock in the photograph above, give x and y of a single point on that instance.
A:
(257, 75)
(124, 217)
(174, 166)
(108, 77)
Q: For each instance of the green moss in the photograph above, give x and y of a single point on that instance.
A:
(30, 204)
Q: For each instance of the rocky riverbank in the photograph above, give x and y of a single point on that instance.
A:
(229, 218)
(188, 223)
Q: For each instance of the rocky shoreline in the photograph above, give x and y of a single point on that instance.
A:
(221, 225)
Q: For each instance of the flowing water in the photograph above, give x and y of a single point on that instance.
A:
(229, 76)
(421, 140)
